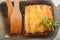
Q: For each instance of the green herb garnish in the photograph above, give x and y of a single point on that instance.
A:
(47, 22)
(55, 23)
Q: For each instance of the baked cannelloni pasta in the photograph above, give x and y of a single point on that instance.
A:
(34, 15)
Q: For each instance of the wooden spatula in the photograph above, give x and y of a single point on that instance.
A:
(16, 19)
(10, 7)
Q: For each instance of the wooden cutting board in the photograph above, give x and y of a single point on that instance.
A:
(10, 7)
(16, 19)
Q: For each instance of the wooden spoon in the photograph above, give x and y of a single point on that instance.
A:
(16, 19)
(10, 7)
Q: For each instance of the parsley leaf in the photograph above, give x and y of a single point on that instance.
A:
(47, 22)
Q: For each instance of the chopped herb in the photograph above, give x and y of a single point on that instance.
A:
(52, 28)
(55, 23)
(47, 22)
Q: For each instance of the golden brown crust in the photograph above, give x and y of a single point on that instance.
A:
(34, 15)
